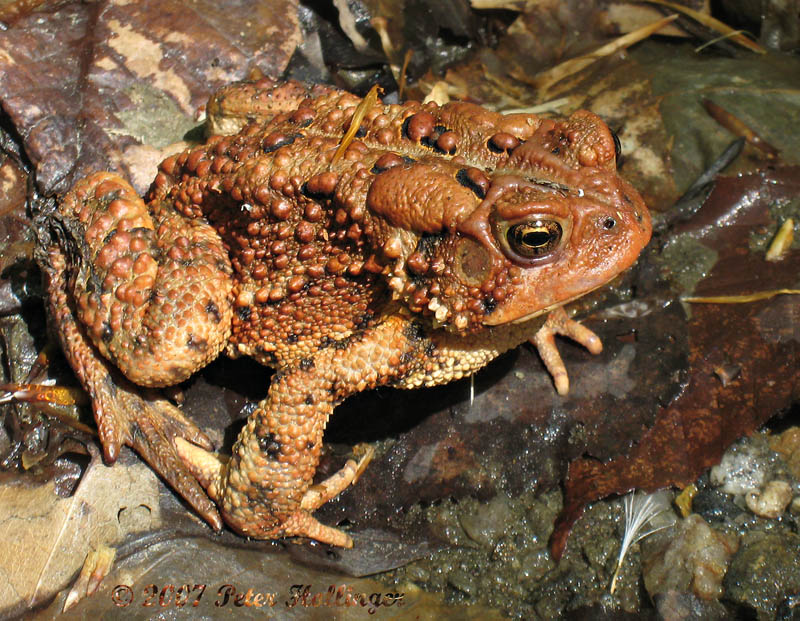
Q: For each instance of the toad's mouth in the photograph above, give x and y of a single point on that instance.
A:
(542, 311)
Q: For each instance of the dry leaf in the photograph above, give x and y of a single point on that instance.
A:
(47, 537)
(714, 24)
(547, 79)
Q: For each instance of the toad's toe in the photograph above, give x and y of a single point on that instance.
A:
(303, 524)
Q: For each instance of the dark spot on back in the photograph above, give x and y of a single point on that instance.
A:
(494, 148)
(109, 236)
(404, 129)
(364, 321)
(463, 179)
(197, 345)
(313, 195)
(287, 141)
(414, 331)
(244, 313)
(107, 333)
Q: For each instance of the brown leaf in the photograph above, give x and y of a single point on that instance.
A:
(106, 85)
(47, 537)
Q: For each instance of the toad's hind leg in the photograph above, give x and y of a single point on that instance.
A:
(150, 285)
(147, 289)
(125, 414)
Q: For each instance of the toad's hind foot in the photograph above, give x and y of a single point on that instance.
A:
(558, 323)
(152, 427)
(207, 468)
(211, 472)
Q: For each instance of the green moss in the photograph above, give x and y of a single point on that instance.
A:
(153, 117)
(686, 261)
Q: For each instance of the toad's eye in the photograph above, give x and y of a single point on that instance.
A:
(534, 239)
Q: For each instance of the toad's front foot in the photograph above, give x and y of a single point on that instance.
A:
(266, 522)
(544, 340)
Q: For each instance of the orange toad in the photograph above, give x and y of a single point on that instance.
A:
(442, 237)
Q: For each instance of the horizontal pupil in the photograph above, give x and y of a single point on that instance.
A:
(532, 240)
(535, 238)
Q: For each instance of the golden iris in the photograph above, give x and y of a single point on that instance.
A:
(534, 239)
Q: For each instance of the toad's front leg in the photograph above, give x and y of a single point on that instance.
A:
(263, 491)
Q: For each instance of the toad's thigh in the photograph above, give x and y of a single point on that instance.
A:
(150, 285)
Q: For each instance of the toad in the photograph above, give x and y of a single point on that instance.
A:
(434, 240)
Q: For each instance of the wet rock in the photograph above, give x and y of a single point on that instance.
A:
(680, 606)
(743, 468)
(715, 506)
(601, 552)
(488, 522)
(445, 523)
(764, 571)
(542, 513)
(789, 609)
(463, 581)
(418, 572)
(772, 501)
(605, 612)
(787, 444)
(692, 556)
(536, 564)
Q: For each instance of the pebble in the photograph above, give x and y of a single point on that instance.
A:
(772, 501)
(487, 523)
(695, 558)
